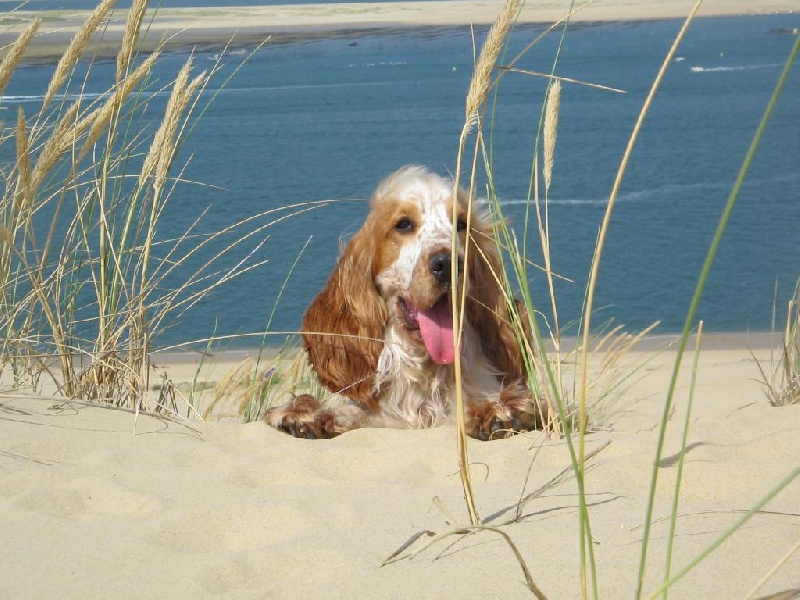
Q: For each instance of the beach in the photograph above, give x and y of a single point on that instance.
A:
(215, 27)
(96, 501)
(103, 501)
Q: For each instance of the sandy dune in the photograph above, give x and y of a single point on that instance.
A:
(96, 504)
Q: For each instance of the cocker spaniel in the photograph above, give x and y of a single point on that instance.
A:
(380, 335)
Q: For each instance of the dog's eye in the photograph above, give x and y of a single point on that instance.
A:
(404, 225)
(461, 224)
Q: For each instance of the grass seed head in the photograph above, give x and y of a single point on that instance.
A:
(23, 162)
(481, 81)
(551, 130)
(132, 27)
(76, 48)
(15, 52)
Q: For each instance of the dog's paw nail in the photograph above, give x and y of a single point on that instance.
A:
(516, 424)
(496, 426)
(309, 435)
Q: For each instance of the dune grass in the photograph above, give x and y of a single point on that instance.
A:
(82, 266)
(86, 281)
(546, 374)
(781, 381)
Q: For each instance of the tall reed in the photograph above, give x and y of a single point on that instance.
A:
(82, 265)
(477, 95)
(782, 383)
(545, 370)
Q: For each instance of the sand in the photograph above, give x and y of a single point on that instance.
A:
(96, 503)
(213, 27)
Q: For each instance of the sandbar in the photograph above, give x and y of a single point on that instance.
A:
(213, 27)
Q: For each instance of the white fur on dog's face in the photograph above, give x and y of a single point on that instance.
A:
(414, 209)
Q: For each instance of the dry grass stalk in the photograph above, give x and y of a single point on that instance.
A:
(478, 92)
(159, 159)
(482, 78)
(782, 387)
(132, 27)
(551, 130)
(174, 114)
(63, 135)
(550, 134)
(108, 233)
(70, 129)
(163, 136)
(272, 382)
(788, 594)
(235, 384)
(619, 368)
(15, 52)
(21, 195)
(790, 393)
(162, 151)
(103, 115)
(254, 385)
(75, 49)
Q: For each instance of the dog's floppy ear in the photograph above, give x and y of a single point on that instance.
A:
(488, 310)
(343, 329)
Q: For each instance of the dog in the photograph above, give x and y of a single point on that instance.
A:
(380, 336)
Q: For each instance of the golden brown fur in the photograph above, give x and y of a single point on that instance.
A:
(378, 334)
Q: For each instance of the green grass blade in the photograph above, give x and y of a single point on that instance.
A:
(681, 458)
(729, 532)
(690, 316)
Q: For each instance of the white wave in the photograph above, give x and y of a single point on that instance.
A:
(696, 69)
(21, 99)
(383, 63)
(676, 191)
(558, 201)
(627, 197)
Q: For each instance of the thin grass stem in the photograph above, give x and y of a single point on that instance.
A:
(728, 532)
(682, 457)
(774, 569)
(723, 222)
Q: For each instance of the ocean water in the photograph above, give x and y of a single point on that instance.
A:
(326, 120)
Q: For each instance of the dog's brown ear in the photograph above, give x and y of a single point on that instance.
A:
(343, 329)
(488, 309)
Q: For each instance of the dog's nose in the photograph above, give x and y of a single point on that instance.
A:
(440, 266)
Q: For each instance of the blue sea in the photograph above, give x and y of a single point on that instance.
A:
(326, 120)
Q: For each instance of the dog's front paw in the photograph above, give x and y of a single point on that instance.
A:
(303, 417)
(512, 412)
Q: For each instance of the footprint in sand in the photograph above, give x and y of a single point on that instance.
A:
(228, 530)
(231, 576)
(87, 496)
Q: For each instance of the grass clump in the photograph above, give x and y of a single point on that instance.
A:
(782, 387)
(544, 351)
(86, 282)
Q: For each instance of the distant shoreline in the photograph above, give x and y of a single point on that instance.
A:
(214, 27)
(729, 340)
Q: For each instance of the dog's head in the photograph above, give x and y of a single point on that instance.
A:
(412, 224)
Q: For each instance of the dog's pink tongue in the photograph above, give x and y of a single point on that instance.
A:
(436, 327)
